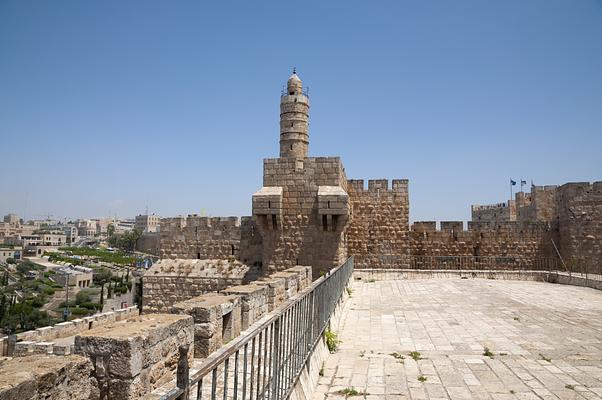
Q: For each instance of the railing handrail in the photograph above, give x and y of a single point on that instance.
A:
(238, 344)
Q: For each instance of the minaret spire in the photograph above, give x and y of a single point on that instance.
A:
(294, 117)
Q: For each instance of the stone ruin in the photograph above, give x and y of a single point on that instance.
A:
(124, 355)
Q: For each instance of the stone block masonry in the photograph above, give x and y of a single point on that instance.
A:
(254, 303)
(306, 214)
(217, 320)
(47, 377)
(378, 233)
(579, 224)
(523, 242)
(55, 339)
(131, 358)
(196, 237)
(170, 281)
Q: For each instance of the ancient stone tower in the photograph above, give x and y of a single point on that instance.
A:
(303, 207)
(294, 115)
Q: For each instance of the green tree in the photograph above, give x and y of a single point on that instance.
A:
(101, 277)
(83, 297)
(126, 241)
(110, 230)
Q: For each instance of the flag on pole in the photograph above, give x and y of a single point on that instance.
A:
(513, 183)
(522, 183)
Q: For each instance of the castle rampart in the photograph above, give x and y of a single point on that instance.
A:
(379, 223)
(523, 242)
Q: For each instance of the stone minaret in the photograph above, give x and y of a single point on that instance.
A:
(294, 116)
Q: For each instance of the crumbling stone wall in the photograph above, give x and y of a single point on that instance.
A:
(45, 340)
(378, 233)
(579, 224)
(217, 320)
(47, 377)
(132, 358)
(220, 317)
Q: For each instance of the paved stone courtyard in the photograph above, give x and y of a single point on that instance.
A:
(545, 340)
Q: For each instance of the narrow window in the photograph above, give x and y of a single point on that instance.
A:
(324, 222)
(198, 256)
(232, 249)
(269, 204)
(227, 331)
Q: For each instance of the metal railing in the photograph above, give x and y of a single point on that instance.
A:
(265, 362)
(304, 91)
(442, 262)
(497, 263)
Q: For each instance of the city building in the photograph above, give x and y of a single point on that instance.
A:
(74, 275)
(13, 219)
(148, 223)
(13, 252)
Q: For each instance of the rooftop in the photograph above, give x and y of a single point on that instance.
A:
(472, 339)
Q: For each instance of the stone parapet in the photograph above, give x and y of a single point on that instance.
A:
(133, 357)
(253, 302)
(48, 335)
(47, 377)
(217, 320)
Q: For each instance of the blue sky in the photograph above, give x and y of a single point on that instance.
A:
(106, 106)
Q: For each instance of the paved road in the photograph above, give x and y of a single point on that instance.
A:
(545, 340)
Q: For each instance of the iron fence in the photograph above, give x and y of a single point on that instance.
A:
(266, 362)
(443, 262)
(499, 263)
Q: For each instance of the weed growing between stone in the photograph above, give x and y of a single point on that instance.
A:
(332, 340)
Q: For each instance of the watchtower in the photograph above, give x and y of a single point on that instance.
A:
(294, 117)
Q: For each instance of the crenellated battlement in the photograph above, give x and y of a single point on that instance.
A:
(481, 207)
(377, 185)
(479, 226)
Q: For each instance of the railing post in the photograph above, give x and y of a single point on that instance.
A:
(182, 378)
(275, 361)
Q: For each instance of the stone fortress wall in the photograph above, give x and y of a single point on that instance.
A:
(297, 227)
(170, 281)
(578, 223)
(379, 223)
(308, 213)
(505, 211)
(573, 214)
(196, 237)
(522, 243)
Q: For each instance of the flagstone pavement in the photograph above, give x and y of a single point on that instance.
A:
(466, 339)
